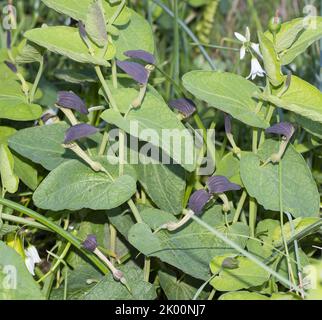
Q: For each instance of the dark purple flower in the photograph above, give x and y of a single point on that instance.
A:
(135, 70)
(227, 123)
(8, 39)
(82, 31)
(79, 131)
(198, 200)
(184, 106)
(141, 55)
(90, 243)
(220, 184)
(285, 129)
(11, 66)
(69, 100)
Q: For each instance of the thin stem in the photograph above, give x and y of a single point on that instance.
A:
(58, 262)
(106, 88)
(103, 144)
(189, 33)
(252, 216)
(55, 228)
(23, 221)
(113, 234)
(147, 268)
(248, 255)
(240, 206)
(289, 265)
(117, 12)
(135, 211)
(35, 85)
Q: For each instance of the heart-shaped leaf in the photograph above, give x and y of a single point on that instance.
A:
(14, 104)
(189, 248)
(227, 92)
(16, 283)
(78, 9)
(67, 42)
(301, 98)
(299, 191)
(74, 186)
(154, 122)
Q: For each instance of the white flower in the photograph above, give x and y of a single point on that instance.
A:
(32, 257)
(247, 44)
(245, 40)
(256, 69)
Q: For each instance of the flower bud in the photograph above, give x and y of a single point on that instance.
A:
(275, 24)
(79, 131)
(220, 184)
(69, 100)
(141, 55)
(185, 106)
(198, 200)
(90, 243)
(135, 71)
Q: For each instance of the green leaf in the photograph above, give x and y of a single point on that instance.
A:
(248, 274)
(66, 41)
(9, 180)
(190, 248)
(299, 191)
(287, 35)
(301, 98)
(30, 53)
(227, 92)
(137, 35)
(109, 289)
(78, 9)
(16, 283)
(229, 166)
(6, 228)
(73, 186)
(271, 61)
(95, 24)
(14, 104)
(5, 133)
(310, 33)
(242, 295)
(164, 183)
(310, 126)
(282, 267)
(180, 289)
(264, 232)
(42, 144)
(154, 122)
(26, 172)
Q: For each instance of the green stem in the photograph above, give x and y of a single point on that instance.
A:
(103, 144)
(147, 267)
(248, 255)
(240, 206)
(55, 228)
(289, 265)
(106, 88)
(23, 221)
(58, 262)
(117, 12)
(35, 85)
(252, 216)
(135, 211)
(113, 234)
(189, 33)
